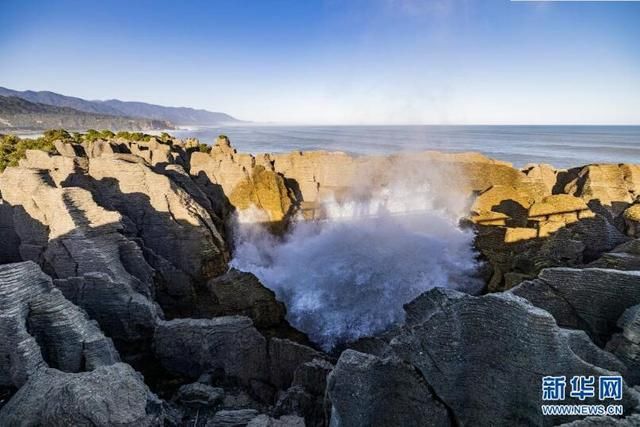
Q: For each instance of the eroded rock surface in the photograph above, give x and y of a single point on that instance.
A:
(107, 396)
(40, 328)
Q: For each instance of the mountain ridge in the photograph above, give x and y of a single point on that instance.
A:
(20, 114)
(119, 108)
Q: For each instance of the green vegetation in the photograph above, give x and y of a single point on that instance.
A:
(204, 148)
(13, 148)
(133, 136)
(93, 135)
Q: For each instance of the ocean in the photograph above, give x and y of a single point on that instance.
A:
(560, 146)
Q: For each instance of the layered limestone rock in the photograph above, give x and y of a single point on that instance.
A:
(240, 293)
(9, 240)
(632, 220)
(606, 184)
(40, 328)
(626, 344)
(623, 257)
(367, 390)
(167, 219)
(230, 344)
(591, 299)
(544, 174)
(107, 396)
(81, 245)
(245, 181)
(490, 374)
(557, 211)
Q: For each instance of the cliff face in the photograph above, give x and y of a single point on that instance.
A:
(114, 258)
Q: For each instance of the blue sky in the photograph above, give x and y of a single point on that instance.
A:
(337, 62)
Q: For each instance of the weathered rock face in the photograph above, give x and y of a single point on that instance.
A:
(606, 184)
(632, 220)
(623, 257)
(366, 390)
(239, 293)
(245, 181)
(107, 396)
(192, 347)
(80, 243)
(569, 295)
(514, 260)
(9, 240)
(484, 372)
(40, 328)
(626, 345)
(167, 219)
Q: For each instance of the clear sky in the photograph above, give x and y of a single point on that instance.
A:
(332, 61)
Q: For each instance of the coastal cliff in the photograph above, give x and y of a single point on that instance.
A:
(115, 262)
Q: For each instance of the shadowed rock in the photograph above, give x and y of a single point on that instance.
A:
(626, 344)
(591, 299)
(230, 344)
(40, 328)
(107, 396)
(367, 390)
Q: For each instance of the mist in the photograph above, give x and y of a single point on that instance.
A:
(347, 276)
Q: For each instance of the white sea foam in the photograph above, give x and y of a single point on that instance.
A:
(348, 277)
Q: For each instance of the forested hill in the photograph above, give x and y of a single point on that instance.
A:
(20, 114)
(114, 107)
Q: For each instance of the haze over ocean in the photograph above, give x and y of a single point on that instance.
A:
(561, 146)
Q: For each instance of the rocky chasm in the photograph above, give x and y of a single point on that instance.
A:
(151, 283)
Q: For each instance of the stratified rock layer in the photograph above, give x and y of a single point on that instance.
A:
(40, 328)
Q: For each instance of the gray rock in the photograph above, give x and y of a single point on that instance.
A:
(9, 240)
(191, 347)
(485, 358)
(197, 394)
(240, 293)
(107, 396)
(313, 376)
(626, 345)
(167, 218)
(623, 257)
(285, 357)
(630, 421)
(367, 390)
(569, 295)
(40, 328)
(235, 418)
(283, 421)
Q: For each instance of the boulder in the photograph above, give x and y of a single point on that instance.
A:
(40, 328)
(230, 344)
(569, 295)
(626, 344)
(107, 396)
(366, 390)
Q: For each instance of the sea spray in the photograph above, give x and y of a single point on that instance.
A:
(348, 276)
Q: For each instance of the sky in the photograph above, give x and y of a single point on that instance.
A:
(337, 61)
